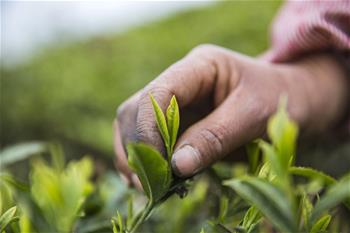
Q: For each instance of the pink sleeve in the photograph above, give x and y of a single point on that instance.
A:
(306, 26)
(303, 27)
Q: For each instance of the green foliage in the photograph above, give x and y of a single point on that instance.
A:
(118, 225)
(168, 126)
(7, 218)
(251, 219)
(161, 122)
(20, 152)
(283, 133)
(151, 168)
(321, 225)
(54, 201)
(273, 194)
(268, 199)
(336, 194)
(60, 194)
(312, 174)
(173, 123)
(266, 194)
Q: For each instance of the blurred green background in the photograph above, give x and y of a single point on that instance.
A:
(69, 93)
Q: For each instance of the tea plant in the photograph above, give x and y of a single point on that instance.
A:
(274, 194)
(153, 170)
(53, 200)
(269, 194)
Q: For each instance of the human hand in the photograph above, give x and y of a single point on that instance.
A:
(225, 99)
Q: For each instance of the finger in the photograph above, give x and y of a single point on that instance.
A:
(236, 121)
(121, 162)
(136, 182)
(191, 79)
(126, 115)
(121, 159)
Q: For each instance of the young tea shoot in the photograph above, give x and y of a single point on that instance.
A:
(153, 170)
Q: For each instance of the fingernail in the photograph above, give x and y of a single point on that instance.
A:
(185, 161)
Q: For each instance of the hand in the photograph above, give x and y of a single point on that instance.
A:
(225, 99)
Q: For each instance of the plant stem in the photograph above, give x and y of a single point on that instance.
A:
(169, 154)
(141, 219)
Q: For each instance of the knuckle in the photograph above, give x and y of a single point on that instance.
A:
(120, 112)
(259, 107)
(126, 109)
(204, 48)
(214, 137)
(144, 129)
(160, 92)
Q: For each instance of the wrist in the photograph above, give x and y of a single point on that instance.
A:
(321, 88)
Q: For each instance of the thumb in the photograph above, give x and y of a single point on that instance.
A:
(221, 132)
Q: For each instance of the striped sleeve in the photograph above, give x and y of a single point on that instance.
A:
(302, 27)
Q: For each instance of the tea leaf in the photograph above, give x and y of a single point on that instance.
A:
(20, 151)
(335, 195)
(321, 225)
(120, 222)
(268, 199)
(60, 195)
(173, 122)
(312, 174)
(217, 227)
(272, 159)
(283, 134)
(152, 169)
(161, 121)
(251, 217)
(253, 156)
(130, 211)
(223, 209)
(305, 209)
(114, 225)
(9, 179)
(7, 218)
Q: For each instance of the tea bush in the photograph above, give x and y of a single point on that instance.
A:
(268, 194)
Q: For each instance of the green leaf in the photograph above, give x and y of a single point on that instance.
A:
(253, 156)
(9, 179)
(251, 217)
(152, 169)
(335, 195)
(114, 225)
(268, 199)
(305, 209)
(283, 133)
(59, 195)
(312, 174)
(173, 122)
(223, 209)
(217, 227)
(161, 122)
(7, 218)
(120, 222)
(21, 151)
(321, 225)
(130, 211)
(272, 159)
